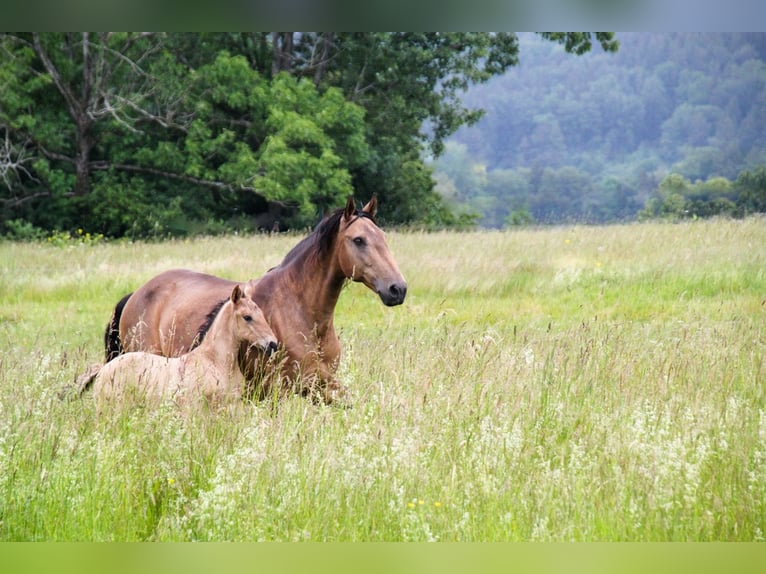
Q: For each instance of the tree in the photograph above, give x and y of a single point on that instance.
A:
(751, 191)
(121, 119)
(559, 195)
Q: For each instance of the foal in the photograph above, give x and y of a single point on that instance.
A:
(210, 372)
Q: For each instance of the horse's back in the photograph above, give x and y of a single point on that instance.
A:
(164, 315)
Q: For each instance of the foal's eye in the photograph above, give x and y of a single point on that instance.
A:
(247, 318)
(359, 241)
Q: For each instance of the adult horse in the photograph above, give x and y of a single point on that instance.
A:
(298, 298)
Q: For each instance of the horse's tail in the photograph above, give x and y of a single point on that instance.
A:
(81, 384)
(112, 341)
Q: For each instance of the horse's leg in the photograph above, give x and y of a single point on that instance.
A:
(336, 393)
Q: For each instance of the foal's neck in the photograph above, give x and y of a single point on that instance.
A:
(221, 345)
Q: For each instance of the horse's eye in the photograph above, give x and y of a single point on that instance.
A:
(359, 241)
(247, 318)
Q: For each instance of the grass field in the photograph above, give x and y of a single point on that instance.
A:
(568, 383)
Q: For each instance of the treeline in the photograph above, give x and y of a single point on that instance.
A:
(593, 139)
(151, 135)
(678, 198)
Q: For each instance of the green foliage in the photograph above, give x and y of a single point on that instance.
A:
(21, 230)
(581, 42)
(519, 217)
(80, 237)
(752, 190)
(126, 207)
(298, 160)
(677, 198)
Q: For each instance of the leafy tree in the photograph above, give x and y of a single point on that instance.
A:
(131, 124)
(751, 191)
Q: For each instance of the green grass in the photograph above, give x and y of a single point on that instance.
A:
(569, 383)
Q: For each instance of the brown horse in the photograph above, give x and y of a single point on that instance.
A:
(298, 298)
(211, 372)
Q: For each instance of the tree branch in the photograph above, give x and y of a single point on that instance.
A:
(16, 201)
(72, 104)
(12, 160)
(219, 185)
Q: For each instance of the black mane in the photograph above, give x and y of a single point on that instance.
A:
(206, 324)
(321, 240)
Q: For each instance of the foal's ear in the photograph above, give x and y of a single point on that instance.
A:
(236, 294)
(372, 206)
(350, 208)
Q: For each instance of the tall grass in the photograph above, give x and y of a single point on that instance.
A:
(569, 383)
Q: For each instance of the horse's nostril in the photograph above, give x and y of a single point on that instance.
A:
(394, 294)
(271, 348)
(398, 290)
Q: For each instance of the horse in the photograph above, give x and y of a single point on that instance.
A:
(298, 298)
(210, 372)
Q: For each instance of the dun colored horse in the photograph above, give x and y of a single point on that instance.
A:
(211, 372)
(298, 298)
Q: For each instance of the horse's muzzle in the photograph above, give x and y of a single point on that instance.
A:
(394, 295)
(271, 348)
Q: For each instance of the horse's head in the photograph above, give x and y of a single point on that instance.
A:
(251, 325)
(364, 256)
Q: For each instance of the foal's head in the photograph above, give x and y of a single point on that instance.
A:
(250, 323)
(364, 256)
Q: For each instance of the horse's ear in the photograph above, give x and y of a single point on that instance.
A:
(236, 294)
(372, 206)
(350, 208)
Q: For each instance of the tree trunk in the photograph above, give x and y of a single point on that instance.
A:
(325, 41)
(77, 107)
(282, 45)
(82, 159)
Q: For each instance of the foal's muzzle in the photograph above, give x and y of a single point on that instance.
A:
(271, 348)
(394, 294)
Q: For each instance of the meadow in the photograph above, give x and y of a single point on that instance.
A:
(570, 383)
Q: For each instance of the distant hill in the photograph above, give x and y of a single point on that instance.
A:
(589, 138)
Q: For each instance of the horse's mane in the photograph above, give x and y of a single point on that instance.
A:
(320, 241)
(207, 323)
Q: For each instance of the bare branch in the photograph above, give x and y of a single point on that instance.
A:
(12, 160)
(54, 155)
(166, 121)
(16, 201)
(72, 103)
(109, 110)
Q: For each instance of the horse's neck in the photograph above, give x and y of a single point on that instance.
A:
(315, 285)
(220, 345)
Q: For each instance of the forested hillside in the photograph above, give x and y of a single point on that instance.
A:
(594, 138)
